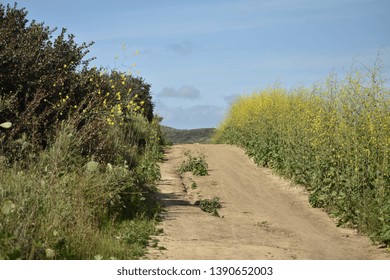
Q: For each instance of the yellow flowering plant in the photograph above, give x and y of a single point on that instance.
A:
(333, 138)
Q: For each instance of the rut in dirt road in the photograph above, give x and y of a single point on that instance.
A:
(262, 216)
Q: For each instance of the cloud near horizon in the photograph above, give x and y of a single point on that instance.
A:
(197, 116)
(185, 92)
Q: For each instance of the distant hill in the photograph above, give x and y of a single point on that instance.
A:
(183, 136)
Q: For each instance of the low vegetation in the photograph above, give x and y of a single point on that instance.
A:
(334, 138)
(196, 164)
(79, 150)
(187, 136)
(211, 205)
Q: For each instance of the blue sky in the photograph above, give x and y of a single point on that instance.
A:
(198, 55)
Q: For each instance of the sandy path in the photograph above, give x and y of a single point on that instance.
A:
(263, 216)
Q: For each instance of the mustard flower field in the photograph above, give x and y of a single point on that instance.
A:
(333, 138)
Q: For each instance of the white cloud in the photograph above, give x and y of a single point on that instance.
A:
(186, 92)
(197, 116)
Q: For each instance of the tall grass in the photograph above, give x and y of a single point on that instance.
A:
(334, 138)
(65, 206)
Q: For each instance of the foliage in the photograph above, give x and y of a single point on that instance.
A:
(176, 136)
(135, 234)
(59, 204)
(334, 138)
(79, 150)
(45, 80)
(195, 164)
(30, 63)
(211, 205)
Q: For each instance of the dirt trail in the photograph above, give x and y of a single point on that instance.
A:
(264, 217)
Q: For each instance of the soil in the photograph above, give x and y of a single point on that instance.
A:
(262, 216)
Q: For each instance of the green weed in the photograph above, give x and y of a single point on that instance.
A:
(211, 205)
(195, 164)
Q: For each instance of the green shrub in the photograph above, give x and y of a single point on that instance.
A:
(195, 164)
(211, 206)
(46, 80)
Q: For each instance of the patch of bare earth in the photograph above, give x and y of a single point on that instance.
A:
(262, 216)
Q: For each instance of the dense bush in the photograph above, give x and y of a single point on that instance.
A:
(79, 150)
(333, 138)
(45, 80)
(32, 64)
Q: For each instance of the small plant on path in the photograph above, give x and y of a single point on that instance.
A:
(196, 164)
(211, 205)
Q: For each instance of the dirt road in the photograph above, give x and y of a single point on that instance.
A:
(263, 216)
